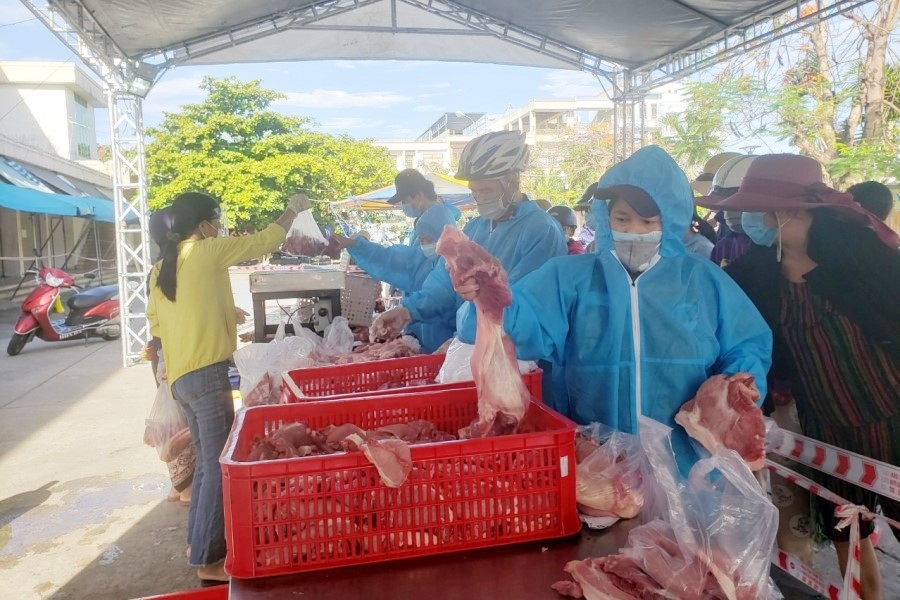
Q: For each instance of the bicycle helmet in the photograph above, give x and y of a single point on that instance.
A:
(492, 155)
(728, 177)
(565, 216)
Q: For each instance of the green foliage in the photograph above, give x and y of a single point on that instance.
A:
(252, 158)
(864, 161)
(700, 131)
(560, 171)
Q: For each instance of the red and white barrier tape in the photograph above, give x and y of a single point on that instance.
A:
(258, 268)
(874, 475)
(799, 570)
(849, 514)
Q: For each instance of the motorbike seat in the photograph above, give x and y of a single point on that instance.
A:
(91, 297)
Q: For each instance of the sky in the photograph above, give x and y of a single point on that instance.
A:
(366, 99)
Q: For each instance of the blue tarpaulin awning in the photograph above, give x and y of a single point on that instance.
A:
(30, 200)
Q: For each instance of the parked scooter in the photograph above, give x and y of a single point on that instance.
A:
(91, 312)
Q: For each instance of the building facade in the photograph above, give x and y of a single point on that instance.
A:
(543, 121)
(48, 143)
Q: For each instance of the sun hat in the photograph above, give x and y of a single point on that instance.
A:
(703, 182)
(778, 182)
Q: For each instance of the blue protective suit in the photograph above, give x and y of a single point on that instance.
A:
(521, 244)
(406, 268)
(644, 346)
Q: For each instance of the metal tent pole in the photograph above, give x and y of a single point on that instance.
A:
(130, 197)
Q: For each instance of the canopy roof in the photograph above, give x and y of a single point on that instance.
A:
(30, 200)
(453, 191)
(602, 36)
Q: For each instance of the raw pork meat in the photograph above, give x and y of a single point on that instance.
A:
(608, 480)
(301, 245)
(398, 348)
(724, 414)
(390, 456)
(502, 395)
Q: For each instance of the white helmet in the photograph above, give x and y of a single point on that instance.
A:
(728, 177)
(703, 182)
(493, 155)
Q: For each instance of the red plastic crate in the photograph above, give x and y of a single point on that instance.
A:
(362, 380)
(304, 514)
(217, 592)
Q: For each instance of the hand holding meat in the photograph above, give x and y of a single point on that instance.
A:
(468, 289)
(298, 203)
(343, 241)
(724, 414)
(389, 324)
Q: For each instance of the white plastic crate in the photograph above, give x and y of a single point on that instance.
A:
(358, 298)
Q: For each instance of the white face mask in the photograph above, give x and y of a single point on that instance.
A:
(636, 250)
(496, 208)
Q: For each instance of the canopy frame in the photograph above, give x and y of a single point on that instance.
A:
(130, 77)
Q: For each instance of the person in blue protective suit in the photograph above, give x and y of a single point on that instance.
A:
(509, 226)
(641, 324)
(407, 266)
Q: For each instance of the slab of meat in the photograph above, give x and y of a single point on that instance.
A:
(724, 414)
(502, 395)
(301, 245)
(608, 480)
(594, 582)
(398, 348)
(390, 456)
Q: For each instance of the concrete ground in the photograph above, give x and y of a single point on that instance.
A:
(83, 510)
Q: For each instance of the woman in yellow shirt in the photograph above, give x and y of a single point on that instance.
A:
(191, 309)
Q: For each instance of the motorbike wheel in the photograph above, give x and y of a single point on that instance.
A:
(111, 333)
(16, 343)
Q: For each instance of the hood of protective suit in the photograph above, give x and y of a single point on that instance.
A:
(657, 173)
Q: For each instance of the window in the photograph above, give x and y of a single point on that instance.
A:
(82, 136)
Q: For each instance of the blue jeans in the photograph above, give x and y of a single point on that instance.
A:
(205, 398)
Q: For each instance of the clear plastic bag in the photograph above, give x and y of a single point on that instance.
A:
(304, 237)
(719, 518)
(262, 366)
(609, 479)
(165, 421)
(457, 363)
(338, 337)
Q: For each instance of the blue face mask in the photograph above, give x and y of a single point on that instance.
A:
(754, 225)
(590, 216)
(429, 250)
(411, 211)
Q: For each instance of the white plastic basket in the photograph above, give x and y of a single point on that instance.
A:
(358, 298)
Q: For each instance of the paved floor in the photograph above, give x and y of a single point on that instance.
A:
(83, 510)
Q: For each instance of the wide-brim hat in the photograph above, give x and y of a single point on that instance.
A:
(780, 182)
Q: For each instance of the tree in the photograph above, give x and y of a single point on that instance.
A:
(561, 169)
(837, 103)
(701, 129)
(252, 158)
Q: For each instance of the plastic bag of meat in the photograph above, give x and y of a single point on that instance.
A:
(713, 542)
(724, 414)
(608, 477)
(458, 363)
(165, 421)
(720, 516)
(262, 365)
(304, 238)
(502, 395)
